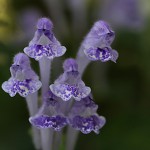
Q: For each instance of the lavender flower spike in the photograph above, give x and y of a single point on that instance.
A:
(23, 79)
(83, 116)
(44, 43)
(49, 115)
(69, 84)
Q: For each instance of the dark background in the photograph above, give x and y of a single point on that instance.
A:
(121, 90)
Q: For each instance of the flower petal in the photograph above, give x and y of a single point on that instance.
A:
(62, 90)
(24, 88)
(81, 91)
(50, 51)
(87, 124)
(44, 121)
(10, 87)
(102, 54)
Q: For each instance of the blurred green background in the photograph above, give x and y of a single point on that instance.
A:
(122, 90)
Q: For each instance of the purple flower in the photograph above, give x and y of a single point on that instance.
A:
(44, 43)
(83, 116)
(49, 115)
(23, 79)
(69, 84)
(96, 45)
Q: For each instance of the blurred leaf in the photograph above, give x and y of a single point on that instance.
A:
(5, 20)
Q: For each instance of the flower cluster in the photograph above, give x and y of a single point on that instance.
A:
(82, 115)
(68, 101)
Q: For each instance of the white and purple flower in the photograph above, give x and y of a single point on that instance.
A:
(83, 116)
(96, 45)
(69, 84)
(44, 42)
(50, 114)
(23, 79)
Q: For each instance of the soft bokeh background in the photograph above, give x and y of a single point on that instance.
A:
(122, 90)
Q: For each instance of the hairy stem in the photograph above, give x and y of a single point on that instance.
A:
(47, 139)
(32, 102)
(46, 134)
(57, 140)
(45, 67)
(82, 61)
(72, 136)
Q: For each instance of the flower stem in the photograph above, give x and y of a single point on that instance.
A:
(47, 139)
(82, 61)
(57, 140)
(45, 66)
(72, 136)
(32, 102)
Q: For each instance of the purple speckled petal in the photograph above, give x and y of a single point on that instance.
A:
(30, 51)
(10, 87)
(24, 88)
(102, 54)
(28, 86)
(87, 124)
(62, 90)
(81, 91)
(66, 91)
(44, 121)
(50, 51)
(59, 50)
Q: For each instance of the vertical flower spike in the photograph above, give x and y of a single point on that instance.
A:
(44, 42)
(83, 116)
(69, 84)
(49, 115)
(96, 45)
(23, 79)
